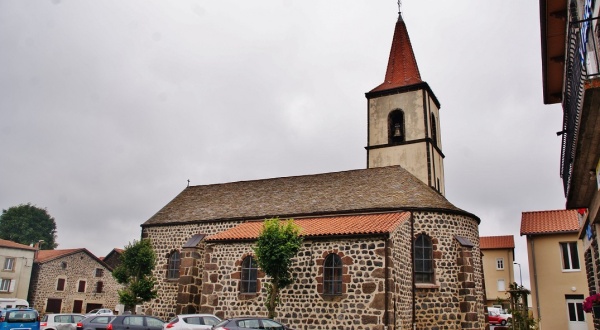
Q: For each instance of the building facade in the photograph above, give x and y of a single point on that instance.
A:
(71, 281)
(16, 261)
(383, 248)
(556, 268)
(571, 77)
(498, 268)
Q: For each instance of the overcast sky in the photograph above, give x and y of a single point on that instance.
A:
(108, 108)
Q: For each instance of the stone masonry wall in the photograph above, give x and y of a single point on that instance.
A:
(438, 307)
(401, 274)
(361, 306)
(166, 239)
(79, 266)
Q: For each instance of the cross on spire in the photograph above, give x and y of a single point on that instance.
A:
(399, 6)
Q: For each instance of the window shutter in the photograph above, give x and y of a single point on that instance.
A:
(11, 288)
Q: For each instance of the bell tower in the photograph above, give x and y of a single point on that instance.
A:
(403, 120)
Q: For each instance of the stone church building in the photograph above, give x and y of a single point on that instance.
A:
(382, 249)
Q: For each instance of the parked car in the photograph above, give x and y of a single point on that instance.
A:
(192, 322)
(497, 318)
(19, 318)
(135, 322)
(243, 323)
(60, 321)
(95, 322)
(100, 311)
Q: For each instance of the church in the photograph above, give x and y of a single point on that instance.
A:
(383, 248)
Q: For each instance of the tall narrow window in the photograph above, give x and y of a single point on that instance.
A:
(9, 263)
(570, 257)
(434, 129)
(174, 263)
(396, 126)
(423, 256)
(249, 275)
(81, 286)
(99, 286)
(499, 263)
(60, 284)
(332, 275)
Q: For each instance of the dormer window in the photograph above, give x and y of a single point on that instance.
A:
(396, 127)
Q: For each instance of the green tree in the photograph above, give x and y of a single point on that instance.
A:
(27, 224)
(277, 244)
(135, 272)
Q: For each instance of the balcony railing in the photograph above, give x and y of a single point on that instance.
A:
(582, 64)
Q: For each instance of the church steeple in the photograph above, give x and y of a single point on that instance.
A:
(404, 117)
(402, 69)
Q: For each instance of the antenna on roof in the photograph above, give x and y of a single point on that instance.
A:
(188, 182)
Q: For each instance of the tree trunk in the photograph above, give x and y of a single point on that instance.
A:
(272, 304)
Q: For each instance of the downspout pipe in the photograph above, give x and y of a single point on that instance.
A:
(535, 279)
(386, 285)
(412, 267)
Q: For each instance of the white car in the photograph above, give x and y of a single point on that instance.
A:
(101, 311)
(60, 321)
(192, 322)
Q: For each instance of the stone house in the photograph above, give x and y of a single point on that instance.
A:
(71, 281)
(113, 258)
(383, 248)
(498, 268)
(17, 262)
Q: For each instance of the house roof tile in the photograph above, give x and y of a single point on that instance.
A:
(364, 224)
(13, 245)
(496, 242)
(356, 191)
(402, 69)
(549, 222)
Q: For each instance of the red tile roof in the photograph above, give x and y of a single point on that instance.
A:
(402, 69)
(47, 255)
(364, 224)
(496, 242)
(549, 222)
(13, 245)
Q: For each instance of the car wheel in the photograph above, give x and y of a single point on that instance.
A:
(503, 322)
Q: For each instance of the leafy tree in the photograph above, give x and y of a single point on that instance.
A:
(277, 244)
(27, 224)
(135, 272)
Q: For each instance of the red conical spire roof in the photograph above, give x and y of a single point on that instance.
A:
(402, 69)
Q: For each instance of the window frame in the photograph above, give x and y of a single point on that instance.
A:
(99, 287)
(58, 284)
(79, 284)
(173, 265)
(5, 284)
(500, 280)
(425, 272)
(249, 276)
(333, 269)
(9, 264)
(500, 263)
(571, 257)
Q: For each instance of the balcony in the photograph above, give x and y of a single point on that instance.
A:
(581, 106)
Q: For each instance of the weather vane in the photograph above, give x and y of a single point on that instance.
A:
(399, 6)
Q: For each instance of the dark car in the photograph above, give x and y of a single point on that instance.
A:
(135, 322)
(244, 323)
(95, 322)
